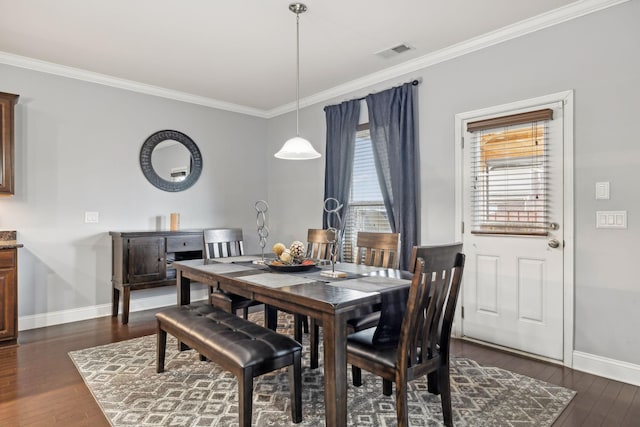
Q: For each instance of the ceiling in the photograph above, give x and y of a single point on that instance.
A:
(241, 53)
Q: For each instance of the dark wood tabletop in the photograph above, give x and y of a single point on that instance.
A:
(333, 301)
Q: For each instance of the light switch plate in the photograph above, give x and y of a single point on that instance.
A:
(602, 191)
(611, 219)
(91, 217)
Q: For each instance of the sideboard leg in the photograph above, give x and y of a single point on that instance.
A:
(126, 296)
(115, 302)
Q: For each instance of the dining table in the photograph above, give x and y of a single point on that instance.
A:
(331, 300)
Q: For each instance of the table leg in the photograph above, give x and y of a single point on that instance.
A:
(183, 285)
(335, 369)
(271, 317)
(184, 289)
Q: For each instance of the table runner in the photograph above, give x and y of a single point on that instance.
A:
(372, 283)
(275, 280)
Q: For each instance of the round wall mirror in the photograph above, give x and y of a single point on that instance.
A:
(170, 160)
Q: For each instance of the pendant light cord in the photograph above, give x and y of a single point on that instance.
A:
(297, 74)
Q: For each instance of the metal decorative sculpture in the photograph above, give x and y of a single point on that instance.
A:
(332, 208)
(263, 231)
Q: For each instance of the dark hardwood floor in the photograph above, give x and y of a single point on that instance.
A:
(39, 385)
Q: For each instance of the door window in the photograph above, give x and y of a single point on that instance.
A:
(510, 183)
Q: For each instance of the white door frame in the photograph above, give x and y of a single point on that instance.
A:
(568, 200)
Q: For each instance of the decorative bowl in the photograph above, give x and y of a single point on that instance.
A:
(278, 266)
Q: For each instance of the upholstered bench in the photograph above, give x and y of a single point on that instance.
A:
(242, 347)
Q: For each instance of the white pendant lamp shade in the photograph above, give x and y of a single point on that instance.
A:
(297, 148)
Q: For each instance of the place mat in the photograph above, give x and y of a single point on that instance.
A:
(357, 268)
(238, 259)
(223, 268)
(371, 283)
(275, 280)
(315, 274)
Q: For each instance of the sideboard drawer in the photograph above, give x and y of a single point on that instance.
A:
(7, 259)
(184, 243)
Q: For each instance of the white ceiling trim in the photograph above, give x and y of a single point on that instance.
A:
(545, 20)
(103, 79)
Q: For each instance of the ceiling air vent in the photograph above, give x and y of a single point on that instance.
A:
(393, 51)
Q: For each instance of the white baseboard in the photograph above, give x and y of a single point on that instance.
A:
(74, 315)
(609, 368)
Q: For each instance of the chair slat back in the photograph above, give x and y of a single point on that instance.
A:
(426, 327)
(434, 255)
(378, 249)
(222, 242)
(318, 246)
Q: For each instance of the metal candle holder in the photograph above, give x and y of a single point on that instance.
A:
(332, 208)
(261, 221)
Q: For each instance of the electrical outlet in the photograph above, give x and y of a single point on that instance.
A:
(611, 219)
(91, 217)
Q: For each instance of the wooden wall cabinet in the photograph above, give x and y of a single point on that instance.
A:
(142, 260)
(8, 296)
(7, 103)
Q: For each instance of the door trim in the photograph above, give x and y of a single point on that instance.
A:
(566, 98)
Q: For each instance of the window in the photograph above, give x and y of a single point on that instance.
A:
(366, 206)
(510, 177)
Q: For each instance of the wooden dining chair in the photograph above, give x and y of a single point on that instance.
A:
(374, 249)
(421, 347)
(377, 249)
(222, 243)
(318, 248)
(318, 245)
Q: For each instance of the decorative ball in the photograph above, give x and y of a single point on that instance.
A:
(285, 257)
(278, 248)
(297, 249)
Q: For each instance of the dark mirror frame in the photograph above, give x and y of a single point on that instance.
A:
(150, 173)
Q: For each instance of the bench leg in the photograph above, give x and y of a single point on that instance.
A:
(295, 386)
(245, 397)
(161, 350)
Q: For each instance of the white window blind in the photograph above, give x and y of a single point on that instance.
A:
(366, 207)
(509, 169)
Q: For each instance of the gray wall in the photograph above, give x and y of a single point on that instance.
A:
(77, 150)
(597, 56)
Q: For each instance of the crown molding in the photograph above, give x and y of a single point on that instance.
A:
(521, 28)
(527, 26)
(106, 80)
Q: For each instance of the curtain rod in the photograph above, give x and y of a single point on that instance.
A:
(414, 82)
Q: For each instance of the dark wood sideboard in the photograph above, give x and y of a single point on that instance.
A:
(8, 288)
(143, 259)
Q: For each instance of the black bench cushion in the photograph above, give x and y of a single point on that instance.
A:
(234, 338)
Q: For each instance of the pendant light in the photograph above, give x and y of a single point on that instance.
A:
(297, 148)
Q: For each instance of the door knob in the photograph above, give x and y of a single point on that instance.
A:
(553, 243)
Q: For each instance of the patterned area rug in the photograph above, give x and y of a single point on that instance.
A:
(123, 380)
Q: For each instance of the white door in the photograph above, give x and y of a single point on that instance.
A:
(513, 281)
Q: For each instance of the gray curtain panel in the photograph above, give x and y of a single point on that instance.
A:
(342, 124)
(392, 123)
